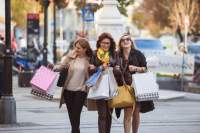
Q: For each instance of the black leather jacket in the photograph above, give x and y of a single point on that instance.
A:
(135, 58)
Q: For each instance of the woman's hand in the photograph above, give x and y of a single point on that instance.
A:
(50, 66)
(137, 69)
(117, 67)
(105, 66)
(133, 68)
(92, 67)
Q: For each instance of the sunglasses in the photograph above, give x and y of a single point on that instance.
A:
(125, 39)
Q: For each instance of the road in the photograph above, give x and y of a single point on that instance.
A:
(36, 115)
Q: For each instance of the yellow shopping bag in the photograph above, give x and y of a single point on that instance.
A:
(123, 99)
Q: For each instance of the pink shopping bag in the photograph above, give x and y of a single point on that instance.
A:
(43, 78)
(44, 83)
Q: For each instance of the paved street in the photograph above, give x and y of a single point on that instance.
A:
(176, 114)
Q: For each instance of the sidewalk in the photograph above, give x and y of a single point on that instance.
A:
(175, 112)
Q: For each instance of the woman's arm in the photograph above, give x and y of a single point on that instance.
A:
(142, 64)
(92, 64)
(64, 63)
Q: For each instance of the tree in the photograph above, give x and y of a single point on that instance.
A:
(59, 3)
(187, 10)
(122, 4)
(168, 14)
(20, 8)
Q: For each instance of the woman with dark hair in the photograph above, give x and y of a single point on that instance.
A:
(132, 61)
(74, 91)
(105, 56)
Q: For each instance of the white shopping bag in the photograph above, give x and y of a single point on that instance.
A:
(112, 83)
(145, 86)
(102, 90)
(106, 88)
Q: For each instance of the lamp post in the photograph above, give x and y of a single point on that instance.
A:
(54, 34)
(7, 101)
(45, 50)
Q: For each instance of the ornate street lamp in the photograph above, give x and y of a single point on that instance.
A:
(59, 4)
(45, 50)
(7, 101)
(54, 34)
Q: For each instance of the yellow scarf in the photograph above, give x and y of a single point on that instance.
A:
(103, 56)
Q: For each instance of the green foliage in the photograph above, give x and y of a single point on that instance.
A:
(139, 19)
(122, 6)
(82, 3)
(20, 8)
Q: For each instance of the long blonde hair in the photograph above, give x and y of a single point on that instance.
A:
(120, 41)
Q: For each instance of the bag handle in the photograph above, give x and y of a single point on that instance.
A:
(123, 71)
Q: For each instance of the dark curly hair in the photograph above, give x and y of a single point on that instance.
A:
(107, 36)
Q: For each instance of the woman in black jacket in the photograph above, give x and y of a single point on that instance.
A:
(104, 56)
(132, 61)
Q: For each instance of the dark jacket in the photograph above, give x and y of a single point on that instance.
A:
(96, 62)
(135, 58)
(91, 104)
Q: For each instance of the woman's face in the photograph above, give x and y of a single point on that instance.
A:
(80, 50)
(126, 42)
(105, 44)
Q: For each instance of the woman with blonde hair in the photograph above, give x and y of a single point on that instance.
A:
(131, 61)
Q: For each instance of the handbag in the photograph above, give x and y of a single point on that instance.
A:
(145, 86)
(146, 106)
(44, 82)
(62, 78)
(123, 99)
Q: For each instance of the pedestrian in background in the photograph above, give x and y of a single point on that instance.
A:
(74, 90)
(132, 61)
(106, 46)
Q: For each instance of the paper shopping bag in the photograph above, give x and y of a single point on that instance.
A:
(123, 99)
(145, 86)
(112, 83)
(44, 82)
(92, 81)
(102, 90)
